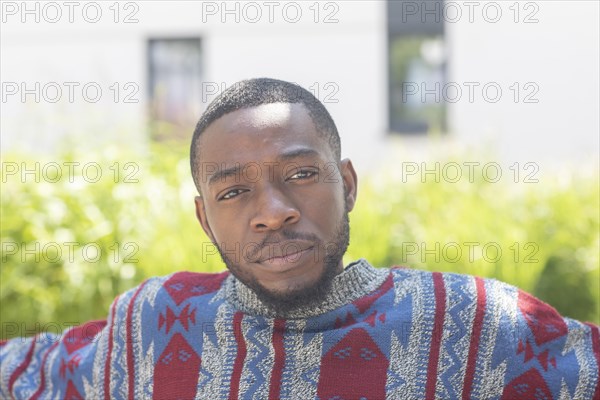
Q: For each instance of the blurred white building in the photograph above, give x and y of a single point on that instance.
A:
(402, 79)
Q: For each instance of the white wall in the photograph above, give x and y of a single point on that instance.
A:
(559, 54)
(344, 59)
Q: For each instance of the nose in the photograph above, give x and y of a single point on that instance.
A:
(274, 211)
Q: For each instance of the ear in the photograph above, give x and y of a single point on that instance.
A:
(350, 182)
(201, 216)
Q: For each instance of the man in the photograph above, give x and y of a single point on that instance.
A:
(287, 320)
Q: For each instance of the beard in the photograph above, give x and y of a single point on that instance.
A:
(282, 302)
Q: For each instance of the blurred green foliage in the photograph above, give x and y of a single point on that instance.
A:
(70, 246)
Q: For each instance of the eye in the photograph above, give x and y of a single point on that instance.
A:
(303, 174)
(230, 194)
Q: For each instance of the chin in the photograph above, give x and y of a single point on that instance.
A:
(292, 286)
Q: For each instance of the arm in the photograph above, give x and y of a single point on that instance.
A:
(553, 355)
(48, 364)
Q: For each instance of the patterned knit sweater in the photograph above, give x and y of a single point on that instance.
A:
(381, 334)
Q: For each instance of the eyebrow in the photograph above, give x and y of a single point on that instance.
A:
(237, 169)
(302, 152)
(224, 173)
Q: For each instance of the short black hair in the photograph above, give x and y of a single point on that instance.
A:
(255, 92)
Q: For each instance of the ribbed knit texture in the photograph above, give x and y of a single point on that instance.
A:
(380, 334)
(357, 280)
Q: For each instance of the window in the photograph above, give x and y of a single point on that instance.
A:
(175, 73)
(417, 64)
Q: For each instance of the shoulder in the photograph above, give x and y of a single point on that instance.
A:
(157, 297)
(159, 315)
(172, 290)
(506, 303)
(450, 285)
(156, 305)
(515, 334)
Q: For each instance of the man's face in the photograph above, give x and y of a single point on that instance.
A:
(275, 202)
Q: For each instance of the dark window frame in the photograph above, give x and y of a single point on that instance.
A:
(161, 125)
(408, 24)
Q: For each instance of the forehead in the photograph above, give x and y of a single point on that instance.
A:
(261, 133)
(265, 116)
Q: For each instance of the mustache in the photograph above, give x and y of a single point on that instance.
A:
(283, 236)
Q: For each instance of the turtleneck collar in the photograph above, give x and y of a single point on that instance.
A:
(356, 280)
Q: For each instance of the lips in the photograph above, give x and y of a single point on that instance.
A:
(284, 252)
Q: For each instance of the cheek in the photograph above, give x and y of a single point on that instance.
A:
(231, 228)
(225, 226)
(326, 207)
